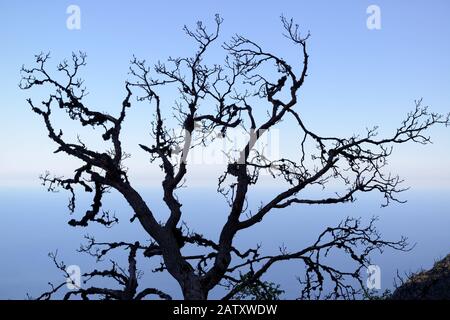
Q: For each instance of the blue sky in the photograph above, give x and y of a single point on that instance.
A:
(357, 78)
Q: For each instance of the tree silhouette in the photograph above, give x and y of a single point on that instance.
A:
(238, 90)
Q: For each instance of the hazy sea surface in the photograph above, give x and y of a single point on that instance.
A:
(34, 223)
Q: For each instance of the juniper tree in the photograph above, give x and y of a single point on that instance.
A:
(253, 89)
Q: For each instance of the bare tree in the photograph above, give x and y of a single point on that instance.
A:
(255, 90)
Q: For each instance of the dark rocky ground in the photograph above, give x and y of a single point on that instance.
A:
(433, 284)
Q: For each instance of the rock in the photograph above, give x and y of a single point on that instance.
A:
(433, 284)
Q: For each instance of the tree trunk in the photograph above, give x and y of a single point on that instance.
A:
(193, 290)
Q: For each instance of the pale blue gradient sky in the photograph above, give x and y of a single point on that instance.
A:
(357, 77)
